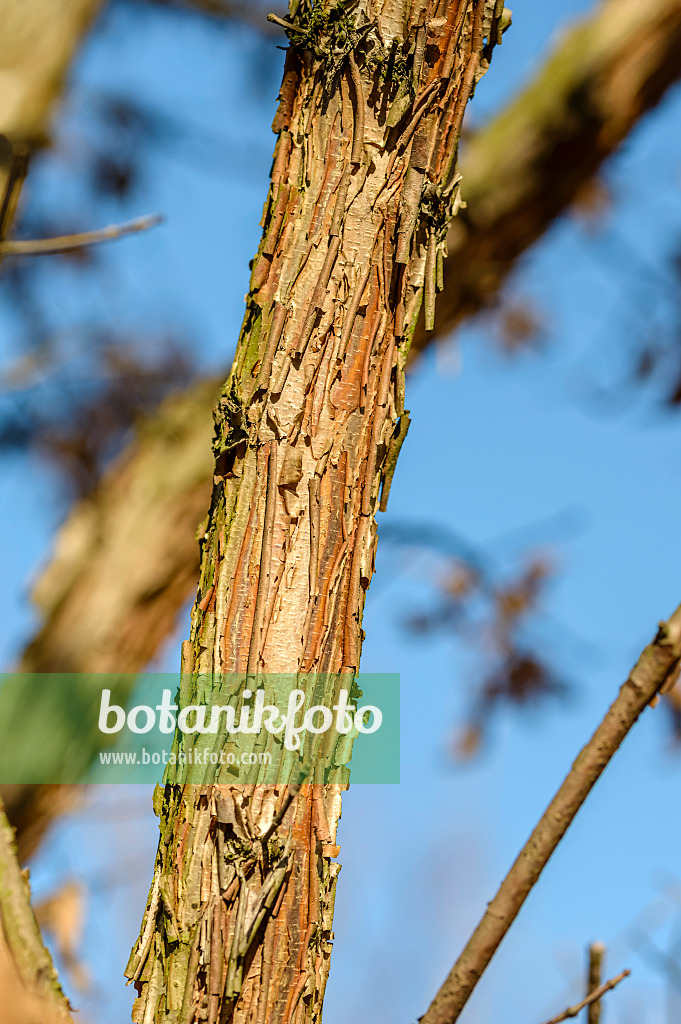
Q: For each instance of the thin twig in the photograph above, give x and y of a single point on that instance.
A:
(15, 180)
(658, 661)
(65, 243)
(593, 997)
(281, 22)
(596, 954)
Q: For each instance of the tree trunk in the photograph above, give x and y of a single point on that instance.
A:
(28, 980)
(37, 44)
(123, 616)
(592, 90)
(308, 427)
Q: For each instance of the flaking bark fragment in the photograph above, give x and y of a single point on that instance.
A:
(307, 432)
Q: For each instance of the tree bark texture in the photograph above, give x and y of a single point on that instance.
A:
(508, 191)
(529, 164)
(239, 921)
(600, 79)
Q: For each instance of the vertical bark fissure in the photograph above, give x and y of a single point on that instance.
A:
(306, 431)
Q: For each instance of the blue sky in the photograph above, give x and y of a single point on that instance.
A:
(494, 447)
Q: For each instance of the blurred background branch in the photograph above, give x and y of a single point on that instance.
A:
(29, 985)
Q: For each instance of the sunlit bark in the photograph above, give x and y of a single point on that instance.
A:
(307, 428)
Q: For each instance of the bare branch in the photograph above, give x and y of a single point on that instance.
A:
(657, 663)
(15, 180)
(591, 1000)
(66, 243)
(276, 20)
(596, 954)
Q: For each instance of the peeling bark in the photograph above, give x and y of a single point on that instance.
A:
(601, 78)
(513, 194)
(528, 165)
(239, 918)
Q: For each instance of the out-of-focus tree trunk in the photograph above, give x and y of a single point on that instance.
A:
(239, 921)
(38, 40)
(127, 605)
(167, 482)
(601, 77)
(28, 982)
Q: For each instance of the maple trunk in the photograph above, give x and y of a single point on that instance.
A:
(308, 426)
(125, 559)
